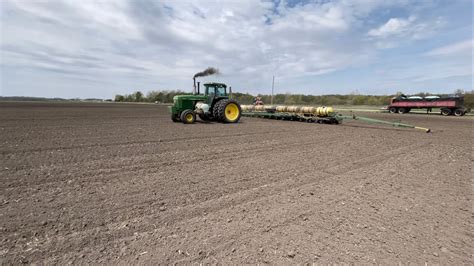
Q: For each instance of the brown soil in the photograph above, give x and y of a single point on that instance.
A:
(108, 183)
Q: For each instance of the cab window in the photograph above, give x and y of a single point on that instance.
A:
(210, 90)
(220, 91)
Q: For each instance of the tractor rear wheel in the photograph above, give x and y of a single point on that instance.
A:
(228, 111)
(188, 116)
(215, 111)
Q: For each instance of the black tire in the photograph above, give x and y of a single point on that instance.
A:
(459, 112)
(393, 110)
(402, 110)
(228, 111)
(204, 117)
(188, 116)
(215, 110)
(174, 118)
(446, 111)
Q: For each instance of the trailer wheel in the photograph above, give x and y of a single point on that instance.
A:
(446, 111)
(393, 110)
(402, 111)
(459, 112)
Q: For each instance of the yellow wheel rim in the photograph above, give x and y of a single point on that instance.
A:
(232, 112)
(189, 117)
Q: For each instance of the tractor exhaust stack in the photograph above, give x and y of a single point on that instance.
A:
(207, 72)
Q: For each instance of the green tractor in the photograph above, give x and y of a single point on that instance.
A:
(213, 105)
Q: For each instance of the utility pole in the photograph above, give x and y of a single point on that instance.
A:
(273, 86)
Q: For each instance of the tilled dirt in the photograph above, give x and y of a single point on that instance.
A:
(108, 183)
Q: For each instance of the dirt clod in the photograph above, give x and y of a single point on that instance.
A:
(291, 254)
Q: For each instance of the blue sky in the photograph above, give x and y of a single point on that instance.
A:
(101, 48)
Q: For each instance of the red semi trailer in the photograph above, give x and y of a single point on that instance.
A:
(448, 105)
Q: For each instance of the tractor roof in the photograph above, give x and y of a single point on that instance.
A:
(215, 84)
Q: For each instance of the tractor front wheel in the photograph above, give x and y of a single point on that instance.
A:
(174, 118)
(188, 116)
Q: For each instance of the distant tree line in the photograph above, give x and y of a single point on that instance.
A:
(301, 99)
(45, 99)
(166, 96)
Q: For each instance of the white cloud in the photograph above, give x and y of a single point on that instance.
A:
(460, 48)
(394, 26)
(174, 39)
(129, 45)
(397, 31)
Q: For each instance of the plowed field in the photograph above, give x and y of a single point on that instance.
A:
(108, 183)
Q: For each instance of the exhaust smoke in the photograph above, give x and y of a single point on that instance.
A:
(209, 71)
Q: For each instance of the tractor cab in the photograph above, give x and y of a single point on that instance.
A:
(215, 92)
(215, 89)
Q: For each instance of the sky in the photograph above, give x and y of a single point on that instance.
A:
(99, 48)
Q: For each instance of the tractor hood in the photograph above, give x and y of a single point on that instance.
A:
(189, 97)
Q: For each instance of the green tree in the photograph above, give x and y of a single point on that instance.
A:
(119, 98)
(153, 96)
(359, 100)
(373, 100)
(459, 92)
(129, 98)
(469, 100)
(289, 99)
(138, 96)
